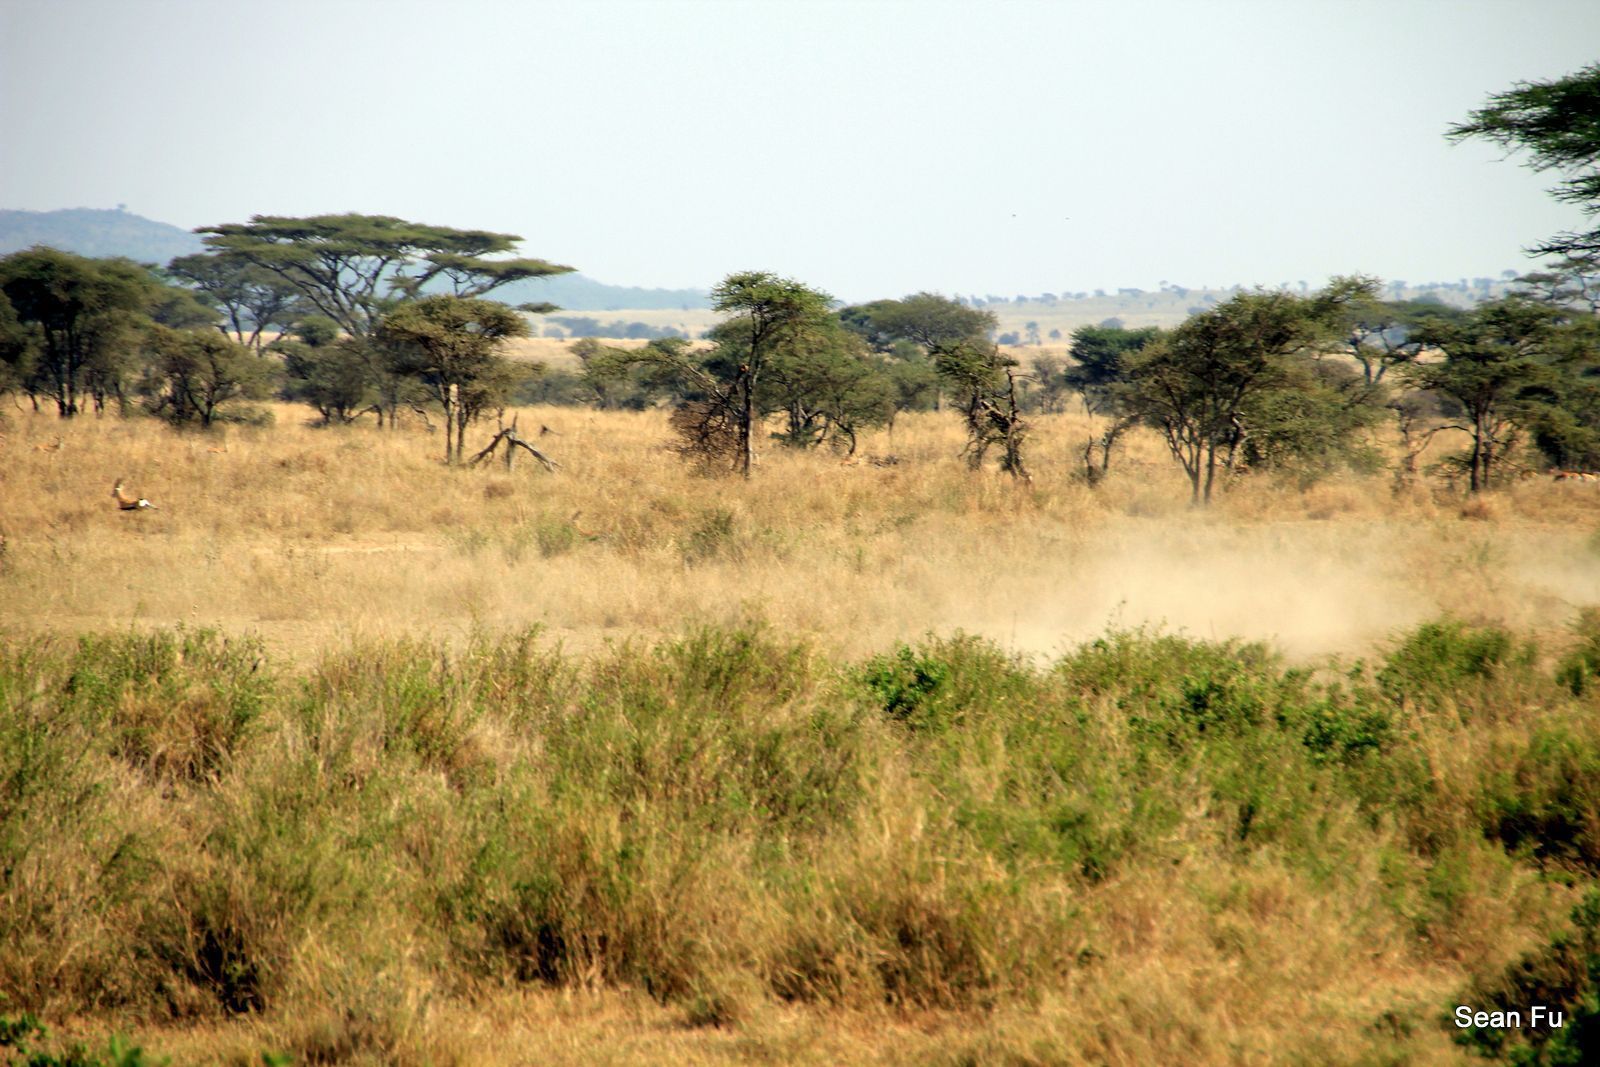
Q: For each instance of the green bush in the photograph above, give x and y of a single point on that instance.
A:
(1175, 690)
(1563, 976)
(175, 703)
(24, 1033)
(1541, 797)
(1345, 727)
(1580, 667)
(948, 682)
(1447, 657)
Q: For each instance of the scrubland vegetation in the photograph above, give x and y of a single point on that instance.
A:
(1151, 849)
(834, 692)
(346, 754)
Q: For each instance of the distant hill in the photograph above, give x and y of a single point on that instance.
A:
(99, 232)
(575, 292)
(90, 231)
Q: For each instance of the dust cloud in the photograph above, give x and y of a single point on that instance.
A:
(1309, 589)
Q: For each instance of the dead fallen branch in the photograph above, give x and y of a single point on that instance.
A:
(512, 441)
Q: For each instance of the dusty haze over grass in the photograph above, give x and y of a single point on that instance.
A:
(309, 536)
(463, 847)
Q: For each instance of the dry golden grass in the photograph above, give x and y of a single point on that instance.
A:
(313, 537)
(308, 535)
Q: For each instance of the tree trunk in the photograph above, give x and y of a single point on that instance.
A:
(1488, 455)
(747, 412)
(449, 398)
(1475, 483)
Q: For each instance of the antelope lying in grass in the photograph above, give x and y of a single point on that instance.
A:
(129, 503)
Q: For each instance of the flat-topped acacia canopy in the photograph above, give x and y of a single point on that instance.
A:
(354, 268)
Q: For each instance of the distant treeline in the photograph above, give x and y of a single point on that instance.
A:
(1461, 292)
(1265, 381)
(583, 326)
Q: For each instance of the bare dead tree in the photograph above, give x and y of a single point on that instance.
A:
(985, 383)
(1097, 450)
(709, 433)
(1013, 431)
(511, 440)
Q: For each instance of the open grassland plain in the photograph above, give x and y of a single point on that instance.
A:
(344, 756)
(308, 537)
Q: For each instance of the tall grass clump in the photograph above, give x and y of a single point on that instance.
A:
(1142, 829)
(1563, 976)
(1580, 667)
(173, 702)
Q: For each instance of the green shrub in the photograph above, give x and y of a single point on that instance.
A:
(1447, 657)
(405, 697)
(1563, 976)
(727, 815)
(1176, 690)
(948, 682)
(1541, 797)
(176, 703)
(24, 1034)
(1345, 727)
(1580, 667)
(906, 683)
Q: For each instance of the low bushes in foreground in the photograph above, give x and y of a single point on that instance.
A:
(189, 832)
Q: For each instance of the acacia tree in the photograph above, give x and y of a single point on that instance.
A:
(1100, 377)
(354, 269)
(17, 347)
(194, 374)
(1497, 366)
(720, 390)
(76, 306)
(954, 339)
(928, 320)
(451, 344)
(765, 312)
(1558, 123)
(827, 387)
(1381, 335)
(1567, 431)
(331, 373)
(1196, 385)
(117, 353)
(1571, 283)
(984, 382)
(705, 385)
(252, 299)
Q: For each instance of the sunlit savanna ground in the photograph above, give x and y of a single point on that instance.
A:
(307, 536)
(920, 909)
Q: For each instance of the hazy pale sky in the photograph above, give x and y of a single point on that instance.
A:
(871, 148)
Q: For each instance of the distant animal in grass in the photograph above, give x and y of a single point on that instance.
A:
(1577, 476)
(53, 446)
(129, 503)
